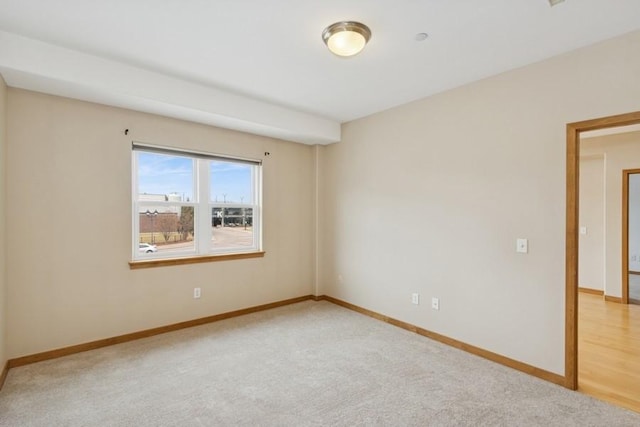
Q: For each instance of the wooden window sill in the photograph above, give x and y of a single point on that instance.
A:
(164, 262)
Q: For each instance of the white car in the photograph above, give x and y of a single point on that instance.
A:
(147, 248)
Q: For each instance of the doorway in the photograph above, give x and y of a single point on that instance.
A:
(572, 233)
(574, 131)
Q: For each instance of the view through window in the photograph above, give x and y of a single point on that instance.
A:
(189, 204)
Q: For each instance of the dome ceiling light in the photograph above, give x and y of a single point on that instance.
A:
(346, 38)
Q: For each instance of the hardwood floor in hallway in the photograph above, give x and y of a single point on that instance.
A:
(609, 351)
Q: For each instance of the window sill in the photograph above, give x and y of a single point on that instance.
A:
(165, 262)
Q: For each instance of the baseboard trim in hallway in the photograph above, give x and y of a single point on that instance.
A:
(591, 291)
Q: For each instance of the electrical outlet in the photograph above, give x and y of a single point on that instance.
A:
(435, 303)
(415, 299)
(196, 292)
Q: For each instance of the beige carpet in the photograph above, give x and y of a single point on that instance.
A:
(309, 364)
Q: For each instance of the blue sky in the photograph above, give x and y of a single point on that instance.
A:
(164, 174)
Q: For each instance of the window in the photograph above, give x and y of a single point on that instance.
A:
(188, 204)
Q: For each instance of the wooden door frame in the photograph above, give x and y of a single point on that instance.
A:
(571, 251)
(625, 232)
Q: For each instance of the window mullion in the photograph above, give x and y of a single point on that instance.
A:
(204, 211)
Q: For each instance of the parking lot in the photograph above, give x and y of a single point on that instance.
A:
(223, 237)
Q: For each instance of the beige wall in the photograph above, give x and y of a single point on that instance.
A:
(3, 272)
(621, 151)
(592, 218)
(430, 197)
(69, 226)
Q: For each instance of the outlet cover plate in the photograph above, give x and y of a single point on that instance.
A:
(415, 298)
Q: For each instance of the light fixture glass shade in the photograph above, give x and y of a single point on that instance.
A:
(346, 38)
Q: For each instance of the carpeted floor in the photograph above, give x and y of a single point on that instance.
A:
(308, 364)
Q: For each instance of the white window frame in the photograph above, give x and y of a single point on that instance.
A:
(201, 203)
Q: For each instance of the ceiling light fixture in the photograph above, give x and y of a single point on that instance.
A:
(555, 2)
(346, 38)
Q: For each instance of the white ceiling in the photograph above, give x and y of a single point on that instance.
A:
(260, 66)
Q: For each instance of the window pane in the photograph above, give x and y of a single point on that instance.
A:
(231, 182)
(163, 177)
(166, 230)
(232, 228)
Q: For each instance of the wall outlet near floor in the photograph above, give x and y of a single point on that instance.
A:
(415, 299)
(196, 292)
(435, 303)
